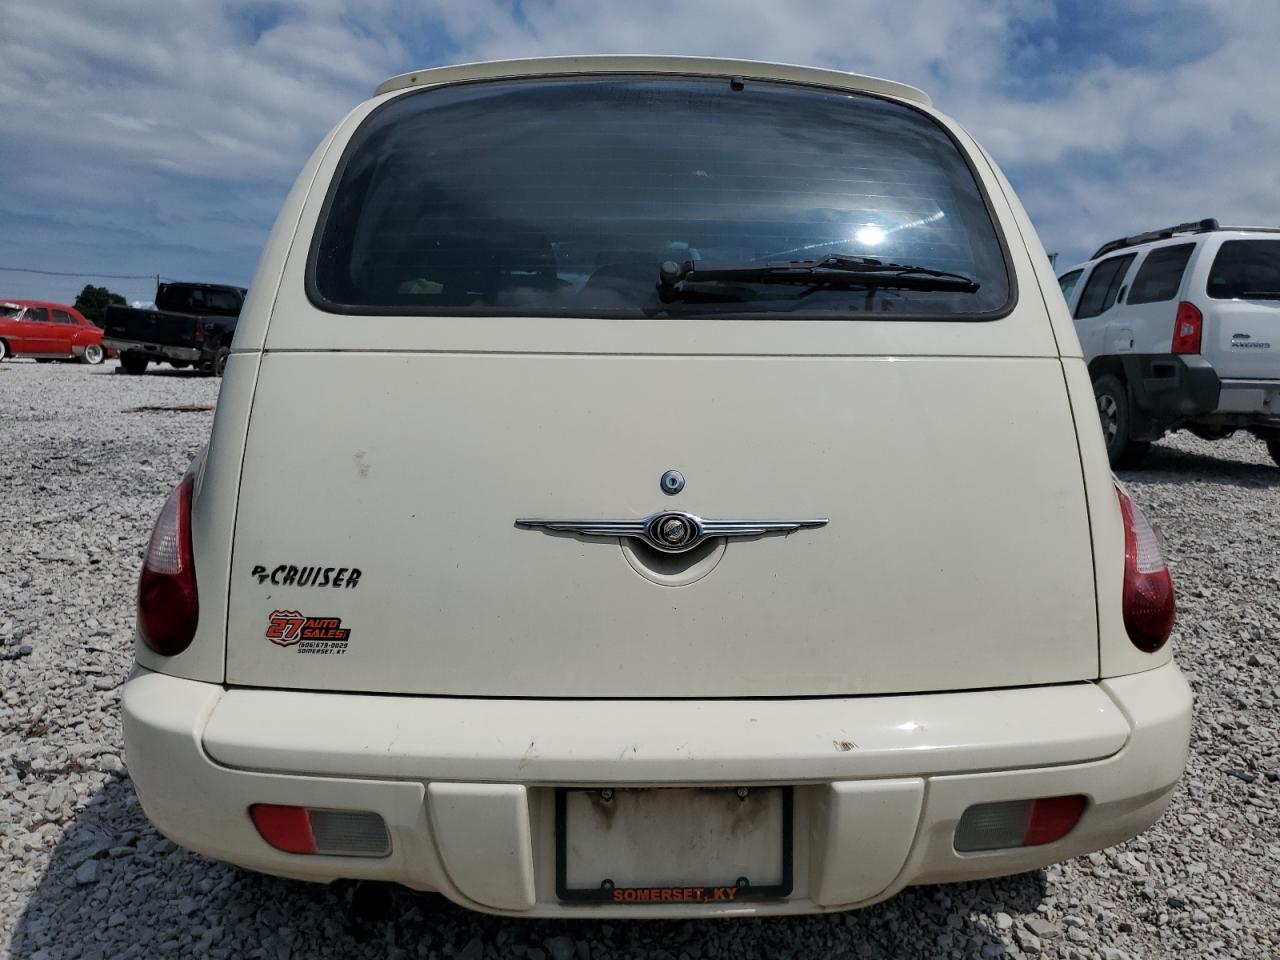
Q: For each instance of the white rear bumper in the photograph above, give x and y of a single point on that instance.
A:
(466, 787)
(1250, 396)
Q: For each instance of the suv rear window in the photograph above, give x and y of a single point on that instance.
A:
(1160, 275)
(1246, 270)
(1103, 286)
(564, 196)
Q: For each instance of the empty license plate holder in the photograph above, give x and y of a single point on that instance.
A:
(610, 845)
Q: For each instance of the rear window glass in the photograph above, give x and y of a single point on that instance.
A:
(9, 309)
(177, 299)
(1246, 269)
(1067, 282)
(563, 197)
(1160, 275)
(1103, 286)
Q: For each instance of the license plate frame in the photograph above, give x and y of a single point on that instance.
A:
(607, 892)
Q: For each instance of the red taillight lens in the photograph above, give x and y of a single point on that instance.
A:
(1052, 818)
(1187, 328)
(1149, 605)
(199, 329)
(285, 828)
(168, 605)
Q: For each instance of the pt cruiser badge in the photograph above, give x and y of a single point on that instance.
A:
(672, 531)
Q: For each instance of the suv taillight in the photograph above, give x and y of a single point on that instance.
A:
(1149, 607)
(1186, 328)
(168, 605)
(199, 329)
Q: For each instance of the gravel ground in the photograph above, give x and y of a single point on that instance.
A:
(86, 459)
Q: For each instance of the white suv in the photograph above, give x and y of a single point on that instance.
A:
(1181, 329)
(615, 506)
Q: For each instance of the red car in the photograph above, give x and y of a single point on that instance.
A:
(48, 331)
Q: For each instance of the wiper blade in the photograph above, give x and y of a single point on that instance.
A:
(674, 279)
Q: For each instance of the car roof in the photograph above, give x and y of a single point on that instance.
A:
(1190, 236)
(686, 66)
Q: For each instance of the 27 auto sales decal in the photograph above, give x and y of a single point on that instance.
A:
(322, 635)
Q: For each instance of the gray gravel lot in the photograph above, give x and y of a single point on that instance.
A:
(83, 469)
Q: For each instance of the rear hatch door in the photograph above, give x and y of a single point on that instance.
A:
(1242, 317)
(484, 341)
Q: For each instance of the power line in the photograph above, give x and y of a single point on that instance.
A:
(102, 276)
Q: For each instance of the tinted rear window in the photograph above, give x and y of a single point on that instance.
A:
(180, 299)
(1103, 286)
(1160, 275)
(1246, 269)
(563, 197)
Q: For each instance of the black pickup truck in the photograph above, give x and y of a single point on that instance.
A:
(191, 325)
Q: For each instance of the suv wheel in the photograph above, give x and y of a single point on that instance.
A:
(133, 363)
(1273, 448)
(1113, 413)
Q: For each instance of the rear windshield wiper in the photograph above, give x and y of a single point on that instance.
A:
(675, 281)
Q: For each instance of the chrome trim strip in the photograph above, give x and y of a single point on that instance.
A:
(672, 531)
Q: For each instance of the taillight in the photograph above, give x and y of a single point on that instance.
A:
(1017, 823)
(168, 605)
(199, 329)
(1187, 328)
(1149, 606)
(285, 828)
(332, 833)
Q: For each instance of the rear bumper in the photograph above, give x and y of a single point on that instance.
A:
(156, 351)
(1260, 398)
(1169, 389)
(466, 786)
(1172, 389)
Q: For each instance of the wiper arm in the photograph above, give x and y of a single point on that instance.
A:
(834, 271)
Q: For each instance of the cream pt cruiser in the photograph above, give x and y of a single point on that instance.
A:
(647, 486)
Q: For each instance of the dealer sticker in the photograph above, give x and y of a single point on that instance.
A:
(322, 635)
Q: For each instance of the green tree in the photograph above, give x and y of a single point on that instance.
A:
(93, 302)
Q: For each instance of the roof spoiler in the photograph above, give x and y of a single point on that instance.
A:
(631, 63)
(1192, 226)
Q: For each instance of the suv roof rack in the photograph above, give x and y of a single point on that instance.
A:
(1191, 226)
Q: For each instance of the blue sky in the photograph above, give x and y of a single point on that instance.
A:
(159, 136)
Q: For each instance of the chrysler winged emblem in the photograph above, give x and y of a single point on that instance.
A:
(672, 531)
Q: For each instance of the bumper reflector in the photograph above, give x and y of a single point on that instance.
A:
(332, 833)
(1017, 823)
